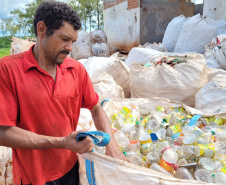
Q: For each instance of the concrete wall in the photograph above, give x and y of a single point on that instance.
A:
(122, 24)
(215, 9)
(155, 16)
(198, 9)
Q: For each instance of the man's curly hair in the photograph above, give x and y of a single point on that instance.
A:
(53, 14)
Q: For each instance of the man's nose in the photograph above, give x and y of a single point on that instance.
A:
(69, 46)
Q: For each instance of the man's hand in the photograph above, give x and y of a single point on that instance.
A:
(114, 151)
(80, 147)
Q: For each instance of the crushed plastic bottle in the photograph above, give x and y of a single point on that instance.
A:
(183, 173)
(220, 176)
(121, 139)
(152, 157)
(207, 164)
(158, 168)
(203, 175)
(134, 158)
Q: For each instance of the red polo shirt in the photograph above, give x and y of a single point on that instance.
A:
(32, 100)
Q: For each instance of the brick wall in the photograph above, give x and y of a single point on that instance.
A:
(131, 3)
(110, 3)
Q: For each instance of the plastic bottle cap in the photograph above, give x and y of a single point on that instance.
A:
(133, 142)
(213, 175)
(213, 133)
(154, 137)
(165, 120)
(124, 153)
(174, 136)
(137, 122)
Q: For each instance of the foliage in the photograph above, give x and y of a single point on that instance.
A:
(4, 52)
(5, 42)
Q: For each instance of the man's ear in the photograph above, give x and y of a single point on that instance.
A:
(41, 29)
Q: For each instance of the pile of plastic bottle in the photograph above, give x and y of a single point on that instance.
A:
(173, 142)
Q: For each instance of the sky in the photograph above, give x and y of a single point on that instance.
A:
(8, 5)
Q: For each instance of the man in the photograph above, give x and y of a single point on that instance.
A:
(41, 93)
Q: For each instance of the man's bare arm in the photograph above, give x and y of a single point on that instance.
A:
(15, 137)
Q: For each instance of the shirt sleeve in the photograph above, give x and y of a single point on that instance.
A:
(8, 105)
(89, 97)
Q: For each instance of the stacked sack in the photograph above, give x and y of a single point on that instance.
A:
(175, 77)
(215, 53)
(99, 44)
(189, 34)
(109, 77)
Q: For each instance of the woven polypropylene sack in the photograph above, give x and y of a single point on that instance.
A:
(211, 98)
(172, 32)
(82, 47)
(195, 34)
(111, 171)
(178, 83)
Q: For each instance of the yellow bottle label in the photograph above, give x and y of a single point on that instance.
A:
(223, 170)
(145, 142)
(209, 119)
(145, 120)
(131, 119)
(219, 121)
(165, 165)
(114, 117)
(189, 116)
(124, 112)
(222, 158)
(145, 146)
(176, 128)
(161, 109)
(205, 147)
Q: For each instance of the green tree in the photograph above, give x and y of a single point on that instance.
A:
(10, 26)
(28, 16)
(3, 27)
(20, 21)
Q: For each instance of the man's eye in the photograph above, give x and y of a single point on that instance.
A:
(65, 40)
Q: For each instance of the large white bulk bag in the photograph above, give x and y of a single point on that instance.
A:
(100, 50)
(178, 83)
(20, 45)
(82, 47)
(98, 36)
(106, 87)
(95, 66)
(141, 55)
(111, 171)
(211, 98)
(211, 61)
(6, 173)
(172, 32)
(215, 9)
(211, 73)
(195, 34)
(219, 49)
(221, 27)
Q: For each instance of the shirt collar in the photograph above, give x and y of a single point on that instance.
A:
(30, 61)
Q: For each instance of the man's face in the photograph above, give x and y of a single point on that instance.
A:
(59, 44)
